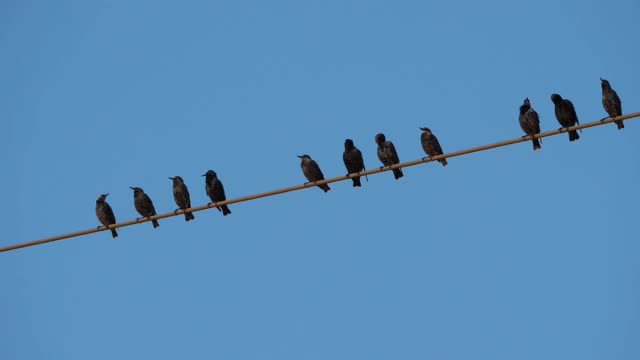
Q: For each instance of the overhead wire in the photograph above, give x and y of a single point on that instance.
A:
(315, 183)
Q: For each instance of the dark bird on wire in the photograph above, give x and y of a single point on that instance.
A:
(215, 191)
(181, 196)
(143, 204)
(529, 122)
(611, 102)
(312, 171)
(388, 155)
(566, 115)
(430, 144)
(105, 214)
(353, 161)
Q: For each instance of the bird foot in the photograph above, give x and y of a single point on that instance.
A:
(175, 212)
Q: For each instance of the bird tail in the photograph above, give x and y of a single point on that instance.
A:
(443, 162)
(324, 187)
(573, 135)
(114, 233)
(155, 223)
(225, 210)
(620, 124)
(397, 173)
(356, 181)
(188, 216)
(536, 144)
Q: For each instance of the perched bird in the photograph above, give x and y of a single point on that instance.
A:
(388, 155)
(353, 161)
(181, 196)
(215, 191)
(611, 102)
(430, 144)
(566, 115)
(143, 204)
(105, 214)
(529, 122)
(312, 171)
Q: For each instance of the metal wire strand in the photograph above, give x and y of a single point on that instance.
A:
(326, 181)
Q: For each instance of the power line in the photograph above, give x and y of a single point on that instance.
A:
(326, 181)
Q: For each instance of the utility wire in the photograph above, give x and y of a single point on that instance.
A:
(326, 181)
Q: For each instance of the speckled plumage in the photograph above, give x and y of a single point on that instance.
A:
(611, 102)
(431, 145)
(312, 171)
(105, 214)
(181, 196)
(144, 205)
(388, 155)
(529, 122)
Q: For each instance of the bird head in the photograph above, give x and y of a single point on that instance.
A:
(605, 84)
(304, 156)
(177, 180)
(210, 174)
(136, 190)
(102, 197)
(380, 138)
(348, 144)
(425, 130)
(557, 99)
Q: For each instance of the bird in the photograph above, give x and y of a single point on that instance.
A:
(312, 171)
(105, 214)
(566, 115)
(430, 144)
(143, 204)
(388, 155)
(353, 161)
(611, 102)
(215, 191)
(181, 197)
(530, 123)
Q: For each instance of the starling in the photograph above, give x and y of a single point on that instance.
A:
(215, 191)
(181, 196)
(529, 122)
(430, 144)
(611, 102)
(312, 171)
(352, 158)
(566, 115)
(143, 204)
(105, 214)
(388, 155)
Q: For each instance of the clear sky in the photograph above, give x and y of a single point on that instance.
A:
(503, 254)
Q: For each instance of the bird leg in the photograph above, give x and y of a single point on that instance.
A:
(175, 212)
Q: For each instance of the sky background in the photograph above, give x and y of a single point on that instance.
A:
(503, 254)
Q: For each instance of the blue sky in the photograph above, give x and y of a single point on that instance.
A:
(503, 254)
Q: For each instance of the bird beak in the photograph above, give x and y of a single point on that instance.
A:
(107, 194)
(132, 188)
(204, 174)
(421, 128)
(170, 178)
(300, 156)
(601, 79)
